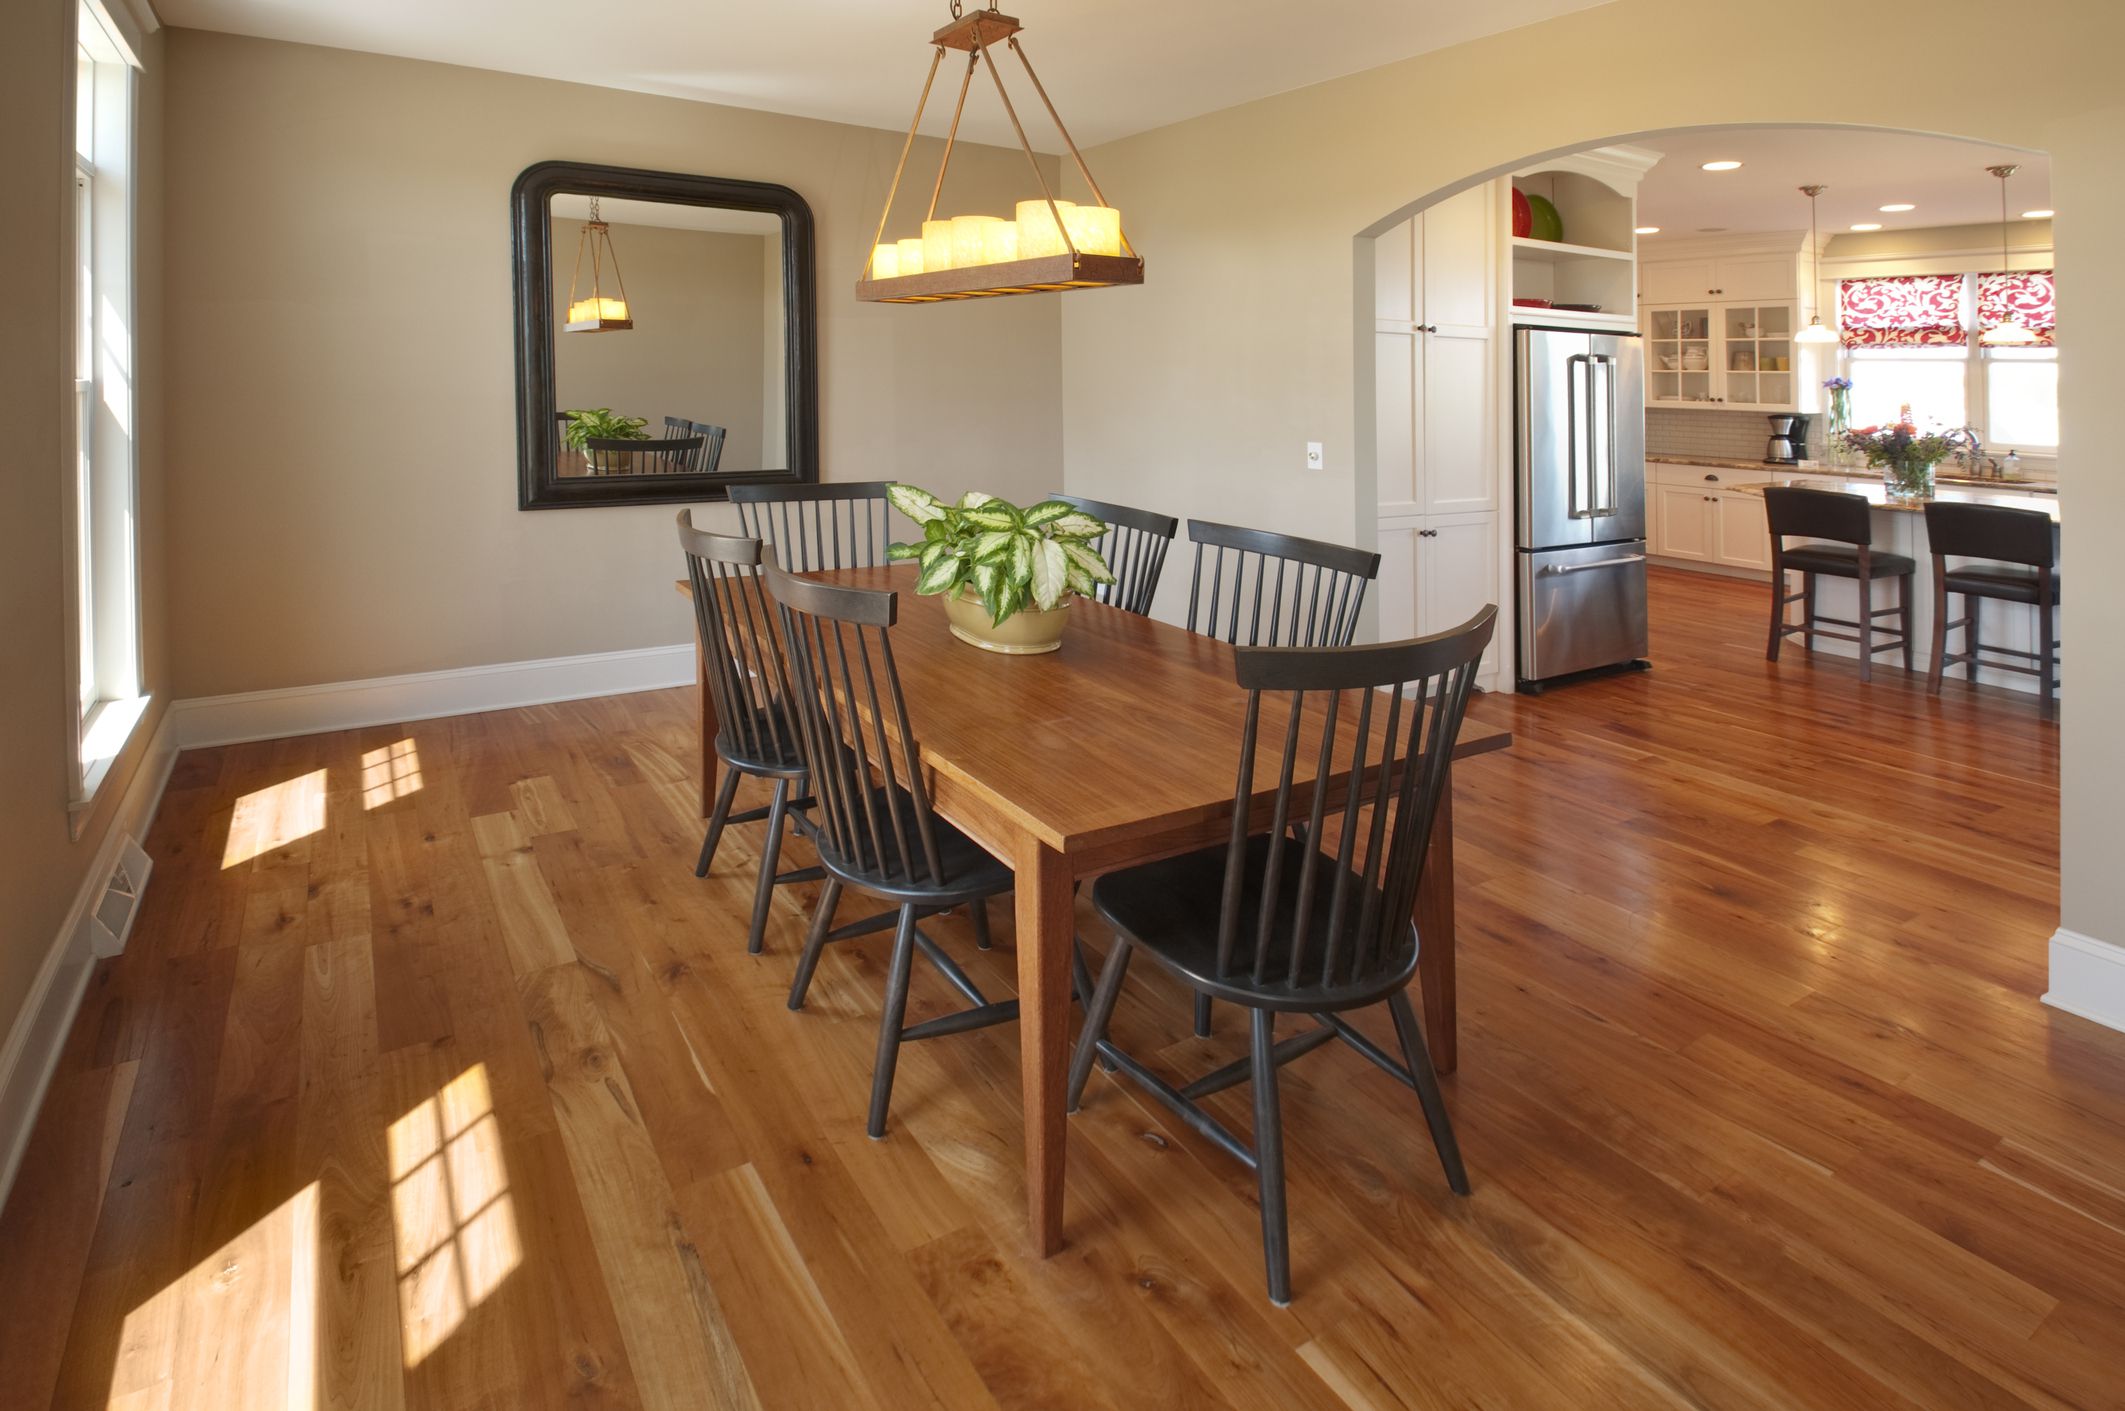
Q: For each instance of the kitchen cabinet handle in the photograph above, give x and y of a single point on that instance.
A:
(1712, 478)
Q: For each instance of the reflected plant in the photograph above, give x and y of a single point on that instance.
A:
(601, 424)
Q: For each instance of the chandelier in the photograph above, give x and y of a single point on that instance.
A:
(599, 312)
(1046, 245)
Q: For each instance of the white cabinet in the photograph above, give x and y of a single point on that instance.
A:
(1682, 523)
(1699, 514)
(1436, 572)
(1733, 278)
(1736, 356)
(1434, 358)
(1743, 531)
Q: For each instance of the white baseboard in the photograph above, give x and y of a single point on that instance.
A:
(2087, 978)
(387, 700)
(34, 1041)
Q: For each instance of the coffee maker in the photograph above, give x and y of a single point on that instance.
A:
(1789, 440)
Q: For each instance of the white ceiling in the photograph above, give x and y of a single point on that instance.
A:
(671, 215)
(1113, 67)
(1945, 179)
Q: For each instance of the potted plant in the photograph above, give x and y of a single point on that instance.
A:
(1006, 574)
(1905, 457)
(587, 427)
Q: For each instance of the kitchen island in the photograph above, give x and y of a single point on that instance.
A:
(1900, 527)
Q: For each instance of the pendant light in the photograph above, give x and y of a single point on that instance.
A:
(1817, 333)
(598, 312)
(1045, 245)
(2012, 333)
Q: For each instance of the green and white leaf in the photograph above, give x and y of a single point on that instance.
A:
(915, 502)
(1021, 558)
(985, 578)
(1088, 561)
(1047, 512)
(937, 529)
(993, 545)
(1008, 598)
(1080, 581)
(975, 499)
(1051, 574)
(943, 575)
(933, 551)
(994, 514)
(1076, 525)
(904, 551)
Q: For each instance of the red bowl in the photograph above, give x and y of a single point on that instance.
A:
(1523, 215)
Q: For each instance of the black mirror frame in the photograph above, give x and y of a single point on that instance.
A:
(531, 250)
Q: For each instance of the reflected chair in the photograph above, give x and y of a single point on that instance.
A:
(2017, 561)
(817, 527)
(1134, 546)
(749, 683)
(610, 455)
(1311, 916)
(1291, 592)
(1839, 529)
(875, 830)
(702, 458)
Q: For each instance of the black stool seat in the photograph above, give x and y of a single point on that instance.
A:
(1172, 910)
(2011, 582)
(1842, 561)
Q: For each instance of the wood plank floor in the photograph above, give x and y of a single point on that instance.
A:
(433, 1078)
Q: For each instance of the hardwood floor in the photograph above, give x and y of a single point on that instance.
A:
(433, 1078)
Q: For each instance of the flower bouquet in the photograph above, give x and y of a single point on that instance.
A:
(1906, 457)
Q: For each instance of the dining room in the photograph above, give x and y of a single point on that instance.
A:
(743, 712)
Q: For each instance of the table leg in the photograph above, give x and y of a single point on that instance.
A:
(1045, 904)
(1435, 936)
(706, 703)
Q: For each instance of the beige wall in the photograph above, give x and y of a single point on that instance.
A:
(342, 442)
(1197, 392)
(697, 349)
(41, 866)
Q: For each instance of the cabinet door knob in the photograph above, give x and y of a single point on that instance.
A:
(1712, 477)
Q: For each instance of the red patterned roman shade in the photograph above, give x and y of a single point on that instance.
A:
(1902, 311)
(2025, 297)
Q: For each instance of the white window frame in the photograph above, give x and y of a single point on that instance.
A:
(100, 459)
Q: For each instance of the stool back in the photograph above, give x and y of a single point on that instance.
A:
(1818, 514)
(1993, 532)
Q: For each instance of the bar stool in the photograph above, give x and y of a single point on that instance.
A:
(2019, 557)
(1840, 531)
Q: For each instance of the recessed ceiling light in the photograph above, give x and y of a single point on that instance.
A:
(2036, 215)
(1647, 230)
(1722, 166)
(1868, 225)
(1894, 206)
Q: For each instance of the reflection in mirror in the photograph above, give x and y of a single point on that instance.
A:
(693, 382)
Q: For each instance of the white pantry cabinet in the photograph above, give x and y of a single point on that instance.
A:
(1436, 572)
(1434, 354)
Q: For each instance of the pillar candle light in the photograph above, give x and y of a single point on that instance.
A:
(911, 256)
(1038, 233)
(936, 245)
(970, 240)
(1095, 230)
(885, 261)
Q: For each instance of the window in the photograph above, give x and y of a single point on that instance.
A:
(1912, 341)
(100, 469)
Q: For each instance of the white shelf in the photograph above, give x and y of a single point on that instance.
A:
(1556, 251)
(1608, 318)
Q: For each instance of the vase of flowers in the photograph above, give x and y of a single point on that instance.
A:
(1905, 457)
(1840, 390)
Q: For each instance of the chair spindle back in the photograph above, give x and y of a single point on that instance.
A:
(747, 677)
(1275, 590)
(815, 527)
(1134, 546)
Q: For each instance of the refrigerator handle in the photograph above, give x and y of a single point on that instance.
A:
(1608, 460)
(1578, 445)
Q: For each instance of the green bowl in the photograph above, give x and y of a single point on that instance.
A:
(1547, 224)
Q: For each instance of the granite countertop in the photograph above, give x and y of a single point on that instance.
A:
(1873, 490)
(2025, 486)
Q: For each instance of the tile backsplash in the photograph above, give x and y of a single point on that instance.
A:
(1673, 431)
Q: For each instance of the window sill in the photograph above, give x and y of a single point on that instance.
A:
(105, 732)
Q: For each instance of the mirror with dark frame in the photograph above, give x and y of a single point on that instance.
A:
(665, 341)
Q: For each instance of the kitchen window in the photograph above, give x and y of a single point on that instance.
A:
(102, 547)
(1913, 341)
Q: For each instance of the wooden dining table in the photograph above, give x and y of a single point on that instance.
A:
(1120, 748)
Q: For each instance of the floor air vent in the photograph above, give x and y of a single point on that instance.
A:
(112, 917)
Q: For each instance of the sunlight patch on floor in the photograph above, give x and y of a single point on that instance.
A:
(275, 817)
(390, 773)
(456, 1235)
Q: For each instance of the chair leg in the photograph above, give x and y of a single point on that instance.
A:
(1097, 1012)
(1866, 628)
(770, 859)
(2047, 682)
(1778, 614)
(1269, 1159)
(1435, 1116)
(891, 1020)
(1202, 1016)
(1807, 610)
(978, 912)
(822, 922)
(716, 819)
(1903, 601)
(1940, 627)
(1972, 606)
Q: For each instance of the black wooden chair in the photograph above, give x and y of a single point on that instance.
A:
(701, 459)
(1840, 531)
(749, 683)
(608, 455)
(1311, 916)
(1312, 593)
(2018, 562)
(875, 830)
(1134, 546)
(818, 526)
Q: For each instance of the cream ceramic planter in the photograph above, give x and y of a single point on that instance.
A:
(1027, 632)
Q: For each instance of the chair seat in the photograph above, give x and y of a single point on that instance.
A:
(766, 726)
(1842, 561)
(2016, 583)
(1171, 910)
(969, 871)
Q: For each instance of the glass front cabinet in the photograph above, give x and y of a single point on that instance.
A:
(1736, 356)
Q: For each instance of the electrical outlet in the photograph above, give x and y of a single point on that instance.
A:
(1314, 459)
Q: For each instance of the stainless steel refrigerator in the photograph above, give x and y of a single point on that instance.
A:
(1580, 454)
